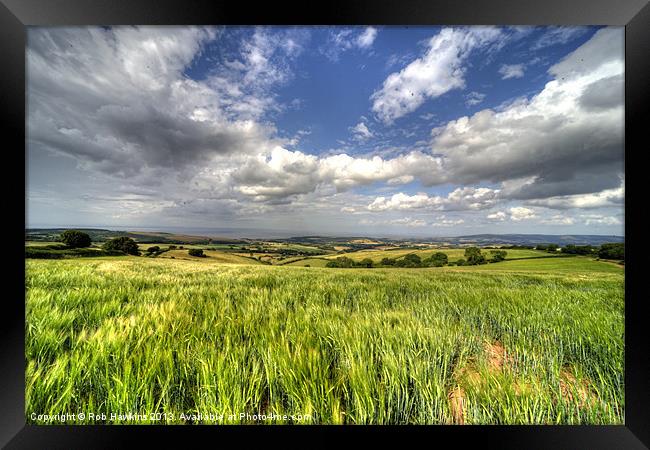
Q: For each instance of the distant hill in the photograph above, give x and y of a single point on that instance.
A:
(100, 235)
(531, 239)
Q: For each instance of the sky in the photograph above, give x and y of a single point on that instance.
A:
(369, 130)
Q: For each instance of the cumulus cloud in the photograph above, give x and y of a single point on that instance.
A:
(127, 104)
(519, 213)
(499, 215)
(608, 197)
(575, 149)
(467, 198)
(511, 71)
(438, 71)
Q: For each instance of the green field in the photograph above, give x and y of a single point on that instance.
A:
(532, 341)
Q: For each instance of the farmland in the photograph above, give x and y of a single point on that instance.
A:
(537, 340)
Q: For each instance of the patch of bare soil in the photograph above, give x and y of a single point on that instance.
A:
(457, 402)
(573, 390)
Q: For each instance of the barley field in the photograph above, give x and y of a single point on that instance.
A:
(537, 341)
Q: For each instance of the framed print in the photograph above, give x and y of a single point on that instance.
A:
(352, 218)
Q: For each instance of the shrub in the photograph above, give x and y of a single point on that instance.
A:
(122, 244)
(577, 249)
(75, 239)
(438, 259)
(612, 251)
(498, 255)
(153, 249)
(388, 262)
(366, 262)
(196, 252)
(474, 256)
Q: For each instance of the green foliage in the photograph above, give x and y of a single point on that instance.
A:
(122, 244)
(342, 262)
(612, 251)
(75, 239)
(196, 252)
(438, 259)
(578, 249)
(60, 252)
(387, 262)
(474, 256)
(153, 249)
(498, 255)
(366, 262)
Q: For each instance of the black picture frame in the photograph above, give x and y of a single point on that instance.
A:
(16, 15)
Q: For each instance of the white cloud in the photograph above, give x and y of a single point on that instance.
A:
(499, 215)
(520, 213)
(558, 138)
(342, 40)
(444, 222)
(608, 197)
(466, 198)
(366, 38)
(558, 35)
(596, 219)
(438, 71)
(559, 219)
(474, 98)
(361, 131)
(511, 71)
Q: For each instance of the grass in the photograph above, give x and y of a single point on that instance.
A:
(378, 346)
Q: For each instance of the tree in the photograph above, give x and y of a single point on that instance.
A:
(388, 262)
(196, 252)
(612, 251)
(474, 256)
(122, 244)
(498, 255)
(153, 249)
(366, 262)
(438, 259)
(75, 239)
(411, 260)
(461, 262)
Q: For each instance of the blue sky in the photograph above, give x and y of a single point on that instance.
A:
(422, 131)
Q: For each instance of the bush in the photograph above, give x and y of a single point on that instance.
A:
(388, 262)
(578, 249)
(75, 239)
(474, 256)
(341, 262)
(461, 262)
(122, 244)
(153, 249)
(498, 255)
(366, 262)
(438, 259)
(196, 252)
(612, 251)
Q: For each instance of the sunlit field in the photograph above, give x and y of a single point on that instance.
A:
(525, 341)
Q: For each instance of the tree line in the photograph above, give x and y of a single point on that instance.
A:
(473, 257)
